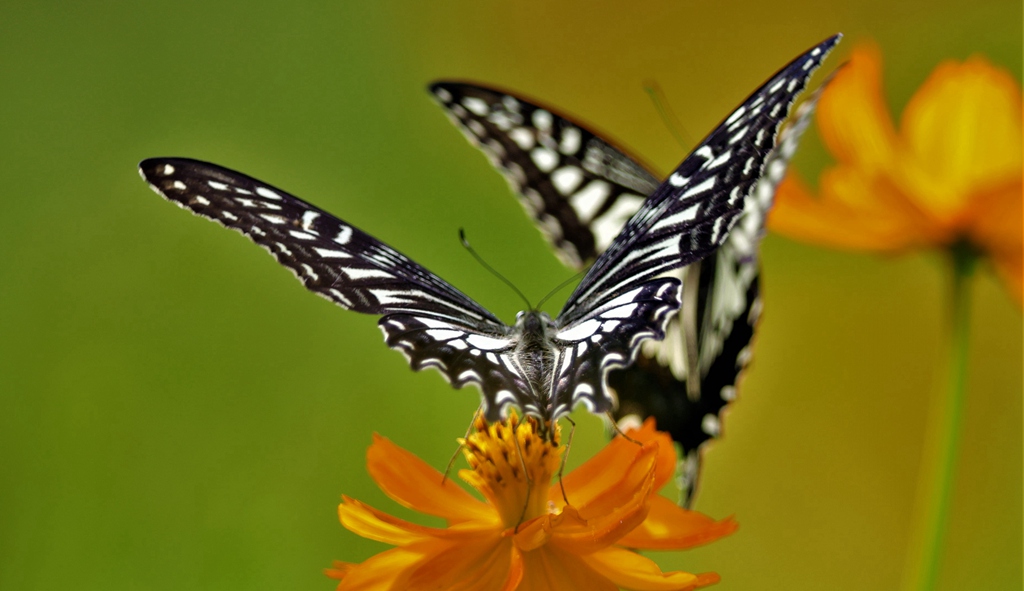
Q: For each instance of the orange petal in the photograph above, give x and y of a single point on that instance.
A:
(606, 528)
(462, 567)
(413, 483)
(665, 467)
(629, 570)
(962, 132)
(339, 569)
(371, 523)
(852, 117)
(631, 479)
(605, 469)
(553, 570)
(381, 572)
(515, 571)
(996, 228)
(855, 212)
(670, 527)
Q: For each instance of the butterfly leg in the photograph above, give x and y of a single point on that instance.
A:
(455, 455)
(611, 417)
(565, 456)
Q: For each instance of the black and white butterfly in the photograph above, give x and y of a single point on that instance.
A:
(541, 365)
(580, 200)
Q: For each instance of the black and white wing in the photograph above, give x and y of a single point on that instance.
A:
(429, 321)
(690, 214)
(579, 188)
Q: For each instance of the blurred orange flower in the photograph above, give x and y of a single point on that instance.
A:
(949, 177)
(524, 535)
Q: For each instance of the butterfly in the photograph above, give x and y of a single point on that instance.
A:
(581, 201)
(544, 366)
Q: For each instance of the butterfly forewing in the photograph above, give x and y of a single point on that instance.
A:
(691, 213)
(578, 187)
(330, 257)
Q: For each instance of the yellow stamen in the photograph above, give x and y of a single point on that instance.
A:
(497, 454)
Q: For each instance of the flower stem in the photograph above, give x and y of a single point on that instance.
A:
(938, 469)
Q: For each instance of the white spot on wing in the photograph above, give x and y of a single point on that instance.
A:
(443, 335)
(700, 187)
(344, 235)
(590, 199)
(571, 138)
(608, 226)
(580, 331)
(522, 137)
(476, 105)
(273, 219)
(545, 159)
(566, 179)
(625, 311)
(327, 253)
(265, 192)
(487, 343)
(308, 218)
(710, 425)
(443, 94)
(542, 120)
(356, 273)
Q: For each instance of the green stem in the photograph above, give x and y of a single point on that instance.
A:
(942, 440)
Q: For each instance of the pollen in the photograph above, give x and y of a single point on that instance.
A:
(512, 464)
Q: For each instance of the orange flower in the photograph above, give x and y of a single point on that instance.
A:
(524, 536)
(949, 177)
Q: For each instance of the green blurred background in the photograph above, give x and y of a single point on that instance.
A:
(176, 412)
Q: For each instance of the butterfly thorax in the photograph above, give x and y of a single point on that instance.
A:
(535, 350)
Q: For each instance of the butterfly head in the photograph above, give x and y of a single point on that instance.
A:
(535, 323)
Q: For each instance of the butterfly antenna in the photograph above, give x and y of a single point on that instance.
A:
(465, 244)
(668, 117)
(559, 287)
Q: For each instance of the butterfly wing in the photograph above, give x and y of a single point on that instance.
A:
(690, 214)
(579, 188)
(428, 320)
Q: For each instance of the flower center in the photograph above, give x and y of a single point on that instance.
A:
(499, 453)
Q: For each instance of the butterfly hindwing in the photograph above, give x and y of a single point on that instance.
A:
(609, 338)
